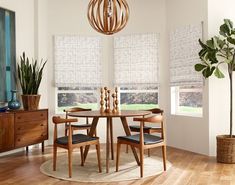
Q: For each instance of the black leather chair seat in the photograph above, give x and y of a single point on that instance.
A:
(77, 138)
(81, 126)
(137, 127)
(148, 139)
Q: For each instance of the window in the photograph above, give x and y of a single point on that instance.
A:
(186, 100)
(71, 97)
(141, 98)
(77, 71)
(136, 70)
(186, 83)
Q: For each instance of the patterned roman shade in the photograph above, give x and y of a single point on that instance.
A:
(184, 48)
(136, 59)
(77, 61)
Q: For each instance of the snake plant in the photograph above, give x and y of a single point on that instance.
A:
(30, 74)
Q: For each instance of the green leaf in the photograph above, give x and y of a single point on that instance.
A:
(210, 43)
(30, 75)
(231, 40)
(212, 57)
(199, 67)
(218, 73)
(225, 30)
(229, 23)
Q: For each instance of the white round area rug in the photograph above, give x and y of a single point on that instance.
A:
(128, 169)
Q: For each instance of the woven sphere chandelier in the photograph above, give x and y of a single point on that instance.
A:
(108, 16)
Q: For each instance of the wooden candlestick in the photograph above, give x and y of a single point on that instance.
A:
(101, 99)
(114, 104)
(116, 99)
(108, 102)
(106, 99)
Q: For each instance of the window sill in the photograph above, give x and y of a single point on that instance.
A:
(187, 115)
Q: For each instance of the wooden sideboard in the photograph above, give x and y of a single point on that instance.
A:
(23, 128)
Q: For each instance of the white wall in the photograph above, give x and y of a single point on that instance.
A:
(24, 13)
(188, 133)
(70, 18)
(218, 88)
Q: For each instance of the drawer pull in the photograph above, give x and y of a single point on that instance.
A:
(42, 124)
(18, 140)
(19, 128)
(41, 114)
(18, 117)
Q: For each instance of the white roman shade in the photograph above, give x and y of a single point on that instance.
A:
(77, 61)
(136, 59)
(184, 48)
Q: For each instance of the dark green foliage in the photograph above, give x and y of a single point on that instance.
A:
(218, 50)
(30, 74)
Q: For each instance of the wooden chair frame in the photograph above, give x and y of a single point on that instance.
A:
(76, 109)
(141, 146)
(70, 146)
(151, 130)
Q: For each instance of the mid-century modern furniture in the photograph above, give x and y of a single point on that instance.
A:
(23, 128)
(122, 115)
(144, 141)
(72, 141)
(148, 129)
(77, 126)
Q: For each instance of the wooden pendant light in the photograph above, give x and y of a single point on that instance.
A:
(108, 16)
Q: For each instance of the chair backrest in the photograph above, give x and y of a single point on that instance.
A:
(75, 109)
(58, 120)
(153, 119)
(156, 111)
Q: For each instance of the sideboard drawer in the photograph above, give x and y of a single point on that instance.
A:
(30, 116)
(33, 126)
(30, 138)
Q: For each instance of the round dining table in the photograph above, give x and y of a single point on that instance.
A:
(109, 129)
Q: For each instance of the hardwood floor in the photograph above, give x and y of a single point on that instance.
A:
(187, 169)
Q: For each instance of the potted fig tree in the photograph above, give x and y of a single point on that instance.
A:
(30, 76)
(215, 54)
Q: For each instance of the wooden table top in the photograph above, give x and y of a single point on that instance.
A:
(123, 113)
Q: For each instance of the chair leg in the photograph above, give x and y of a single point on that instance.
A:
(95, 133)
(82, 156)
(164, 156)
(65, 131)
(70, 162)
(118, 155)
(141, 162)
(148, 152)
(54, 157)
(98, 156)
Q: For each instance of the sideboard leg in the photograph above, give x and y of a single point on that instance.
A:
(43, 147)
(27, 149)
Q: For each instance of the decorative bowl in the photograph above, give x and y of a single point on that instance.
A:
(3, 106)
(3, 109)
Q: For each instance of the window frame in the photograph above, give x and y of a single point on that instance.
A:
(175, 101)
(57, 91)
(138, 91)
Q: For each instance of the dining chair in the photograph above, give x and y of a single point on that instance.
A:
(148, 129)
(71, 142)
(144, 140)
(77, 126)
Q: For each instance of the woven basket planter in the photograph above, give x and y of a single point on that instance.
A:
(225, 149)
